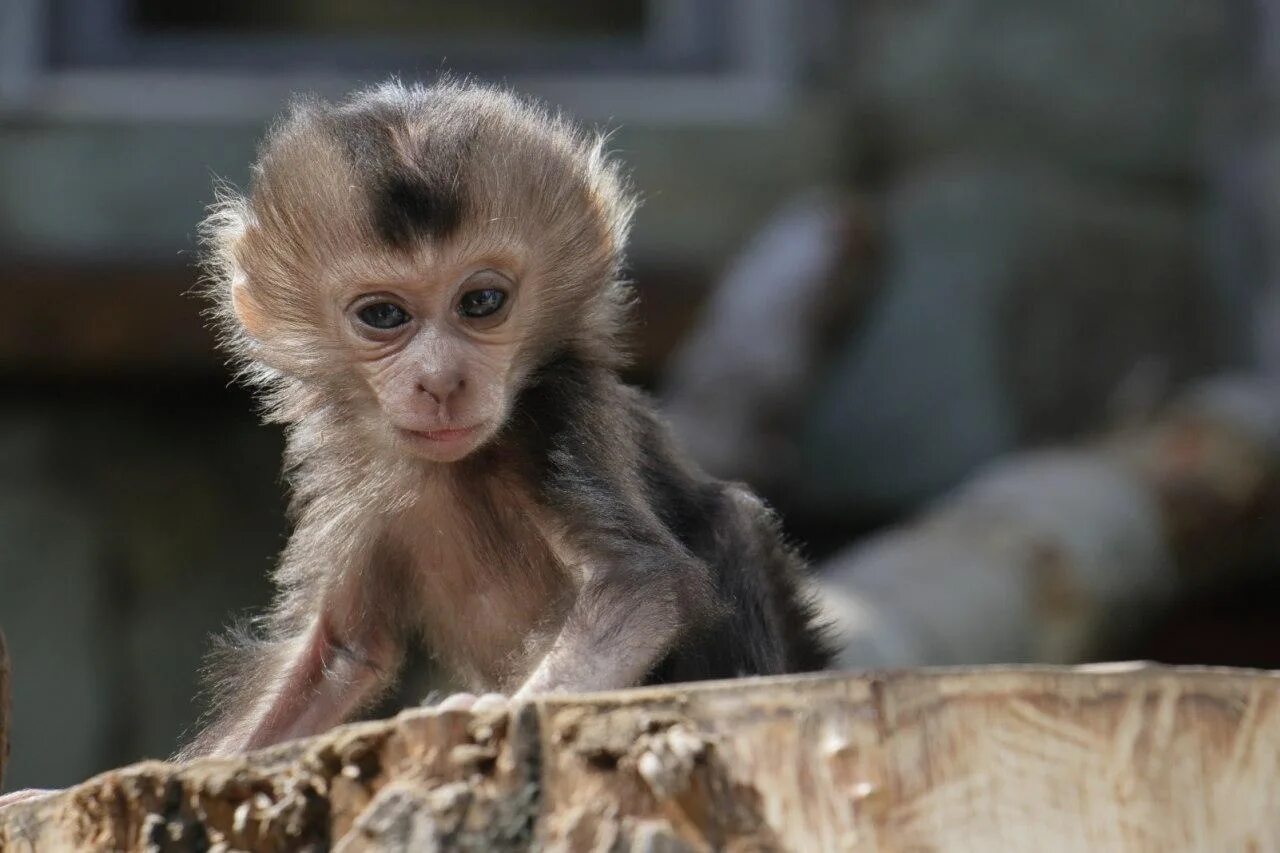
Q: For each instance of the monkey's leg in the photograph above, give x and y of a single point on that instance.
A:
(327, 679)
(303, 685)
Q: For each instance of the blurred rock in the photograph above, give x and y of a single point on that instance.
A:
(1064, 242)
(1020, 305)
(735, 388)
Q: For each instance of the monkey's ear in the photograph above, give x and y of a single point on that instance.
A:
(248, 310)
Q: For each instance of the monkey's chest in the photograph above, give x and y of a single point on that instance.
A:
(492, 593)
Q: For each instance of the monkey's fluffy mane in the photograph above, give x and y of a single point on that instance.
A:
(514, 164)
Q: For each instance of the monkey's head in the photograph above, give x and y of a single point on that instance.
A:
(408, 258)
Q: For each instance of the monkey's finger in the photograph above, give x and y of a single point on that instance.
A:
(489, 702)
(457, 702)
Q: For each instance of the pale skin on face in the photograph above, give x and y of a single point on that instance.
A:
(440, 367)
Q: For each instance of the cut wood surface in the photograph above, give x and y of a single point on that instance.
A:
(1124, 757)
(1061, 555)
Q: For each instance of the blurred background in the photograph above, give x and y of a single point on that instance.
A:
(980, 294)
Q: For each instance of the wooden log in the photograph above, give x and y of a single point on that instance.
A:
(1059, 555)
(1126, 757)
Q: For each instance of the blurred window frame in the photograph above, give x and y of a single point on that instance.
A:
(698, 61)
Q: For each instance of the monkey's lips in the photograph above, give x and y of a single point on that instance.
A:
(446, 444)
(443, 436)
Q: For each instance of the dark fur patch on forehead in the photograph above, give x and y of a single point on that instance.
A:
(406, 208)
(407, 200)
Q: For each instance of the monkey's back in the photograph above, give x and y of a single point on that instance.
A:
(768, 625)
(763, 621)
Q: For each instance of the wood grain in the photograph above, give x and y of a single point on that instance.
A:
(1124, 757)
(1057, 555)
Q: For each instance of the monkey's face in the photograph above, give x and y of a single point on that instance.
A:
(410, 257)
(437, 351)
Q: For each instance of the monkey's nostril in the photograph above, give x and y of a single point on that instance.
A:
(440, 388)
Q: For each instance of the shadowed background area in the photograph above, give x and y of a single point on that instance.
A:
(882, 244)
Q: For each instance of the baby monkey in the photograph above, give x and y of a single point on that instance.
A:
(423, 284)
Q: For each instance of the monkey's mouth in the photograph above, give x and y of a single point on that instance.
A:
(447, 444)
(443, 436)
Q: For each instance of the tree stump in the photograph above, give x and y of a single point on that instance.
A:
(1123, 757)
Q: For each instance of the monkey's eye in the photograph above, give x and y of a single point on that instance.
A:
(383, 315)
(477, 304)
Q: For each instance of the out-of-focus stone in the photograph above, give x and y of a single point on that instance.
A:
(1019, 305)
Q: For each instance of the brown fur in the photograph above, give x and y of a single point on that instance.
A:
(541, 189)
(571, 547)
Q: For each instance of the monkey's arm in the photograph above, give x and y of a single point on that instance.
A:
(629, 613)
(336, 652)
(640, 590)
(639, 596)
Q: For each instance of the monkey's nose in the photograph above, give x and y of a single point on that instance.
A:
(441, 386)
